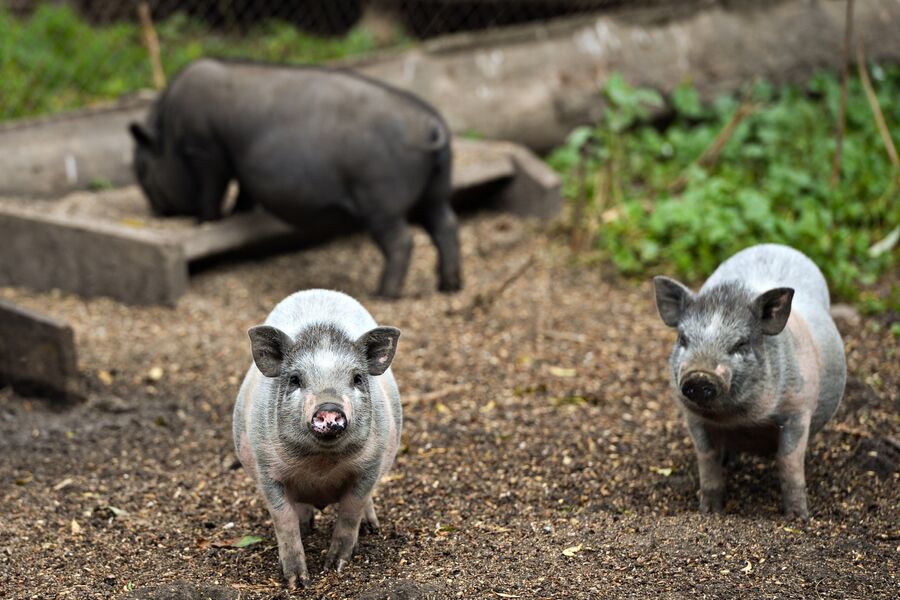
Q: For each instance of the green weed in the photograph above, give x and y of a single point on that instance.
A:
(651, 207)
(53, 60)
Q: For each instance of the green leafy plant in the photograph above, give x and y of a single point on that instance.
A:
(54, 60)
(652, 205)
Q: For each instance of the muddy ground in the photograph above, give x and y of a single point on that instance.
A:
(542, 457)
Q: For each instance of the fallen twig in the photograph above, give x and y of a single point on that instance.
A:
(873, 104)
(842, 111)
(567, 336)
(151, 40)
(485, 300)
(578, 211)
(436, 394)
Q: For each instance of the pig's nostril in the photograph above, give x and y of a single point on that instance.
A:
(689, 390)
(699, 389)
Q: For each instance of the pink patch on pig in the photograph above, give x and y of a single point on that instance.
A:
(309, 405)
(348, 408)
(245, 454)
(392, 441)
(809, 363)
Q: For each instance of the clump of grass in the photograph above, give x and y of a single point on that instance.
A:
(54, 60)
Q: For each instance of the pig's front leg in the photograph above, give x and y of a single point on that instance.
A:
(287, 530)
(709, 465)
(209, 174)
(792, 439)
(351, 510)
(394, 238)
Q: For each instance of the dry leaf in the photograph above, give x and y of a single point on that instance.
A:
(791, 530)
(76, 528)
(610, 215)
(562, 372)
(573, 550)
(133, 222)
(247, 540)
(105, 377)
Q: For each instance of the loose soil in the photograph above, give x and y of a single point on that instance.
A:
(542, 455)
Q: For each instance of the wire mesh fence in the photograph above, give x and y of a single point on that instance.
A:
(62, 54)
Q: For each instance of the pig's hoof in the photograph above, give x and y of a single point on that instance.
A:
(450, 285)
(295, 581)
(793, 504)
(334, 563)
(799, 513)
(367, 527)
(388, 294)
(712, 501)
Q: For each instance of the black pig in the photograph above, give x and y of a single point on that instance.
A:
(323, 149)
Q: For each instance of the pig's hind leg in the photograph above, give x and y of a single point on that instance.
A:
(440, 222)
(350, 514)
(370, 519)
(792, 441)
(437, 217)
(306, 516)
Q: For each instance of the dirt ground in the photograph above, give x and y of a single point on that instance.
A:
(542, 457)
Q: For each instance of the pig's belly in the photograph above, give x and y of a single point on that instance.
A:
(319, 482)
(758, 439)
(314, 222)
(320, 497)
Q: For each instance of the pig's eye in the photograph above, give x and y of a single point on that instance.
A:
(296, 381)
(740, 346)
(682, 340)
(357, 380)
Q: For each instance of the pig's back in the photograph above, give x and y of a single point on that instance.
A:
(768, 266)
(304, 308)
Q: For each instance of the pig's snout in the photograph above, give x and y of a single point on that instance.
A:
(702, 388)
(329, 421)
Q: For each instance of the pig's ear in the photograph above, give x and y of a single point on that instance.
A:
(773, 308)
(671, 299)
(142, 136)
(269, 345)
(378, 346)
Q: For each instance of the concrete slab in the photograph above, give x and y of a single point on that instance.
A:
(107, 243)
(37, 354)
(90, 257)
